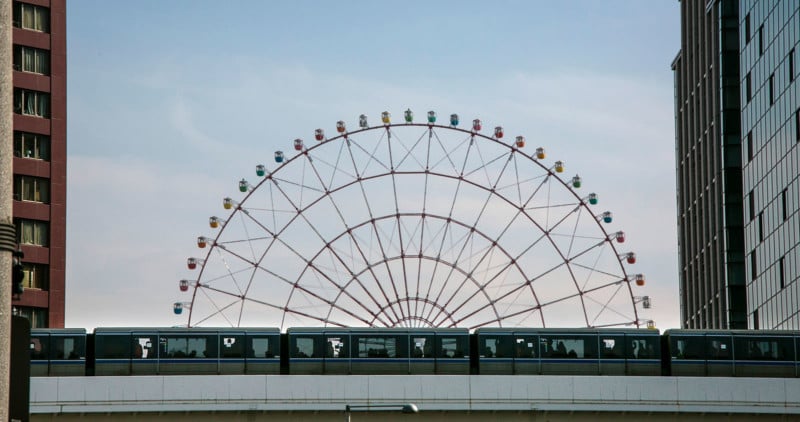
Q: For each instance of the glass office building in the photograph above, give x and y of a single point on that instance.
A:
(737, 110)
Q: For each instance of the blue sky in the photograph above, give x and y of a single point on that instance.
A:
(171, 103)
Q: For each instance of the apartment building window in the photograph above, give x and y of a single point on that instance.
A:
(31, 103)
(29, 16)
(797, 125)
(791, 65)
(748, 87)
(36, 316)
(32, 232)
(36, 276)
(747, 29)
(749, 146)
(31, 145)
(772, 89)
(784, 208)
(30, 188)
(29, 59)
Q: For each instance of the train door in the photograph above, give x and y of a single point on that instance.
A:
(719, 355)
(112, 352)
(40, 349)
(526, 354)
(305, 353)
(337, 353)
(263, 354)
(144, 353)
(643, 354)
(495, 353)
(67, 353)
(612, 354)
(231, 352)
(687, 354)
(452, 356)
(422, 359)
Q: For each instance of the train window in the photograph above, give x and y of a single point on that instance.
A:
(303, 347)
(381, 347)
(110, 346)
(39, 347)
(262, 347)
(642, 347)
(190, 346)
(689, 347)
(495, 347)
(231, 346)
(763, 348)
(422, 347)
(569, 346)
(525, 346)
(612, 347)
(67, 347)
(144, 347)
(336, 346)
(718, 347)
(451, 346)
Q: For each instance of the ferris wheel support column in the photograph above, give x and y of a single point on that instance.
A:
(6, 162)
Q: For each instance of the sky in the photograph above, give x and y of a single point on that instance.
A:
(171, 103)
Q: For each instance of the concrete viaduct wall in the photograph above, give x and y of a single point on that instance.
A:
(454, 397)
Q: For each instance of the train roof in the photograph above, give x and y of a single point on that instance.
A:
(584, 330)
(684, 331)
(59, 331)
(395, 330)
(119, 330)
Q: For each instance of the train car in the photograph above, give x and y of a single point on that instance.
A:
(378, 351)
(565, 351)
(738, 353)
(186, 351)
(58, 352)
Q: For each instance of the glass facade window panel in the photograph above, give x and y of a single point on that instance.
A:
(748, 87)
(761, 40)
(751, 202)
(782, 272)
(29, 145)
(753, 269)
(784, 209)
(232, 346)
(772, 89)
(761, 226)
(791, 65)
(36, 276)
(749, 146)
(188, 347)
(32, 232)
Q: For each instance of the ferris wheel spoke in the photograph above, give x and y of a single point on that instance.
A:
(408, 150)
(404, 274)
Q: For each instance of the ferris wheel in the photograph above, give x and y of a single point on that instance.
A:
(411, 224)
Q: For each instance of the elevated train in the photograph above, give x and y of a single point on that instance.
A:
(511, 351)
